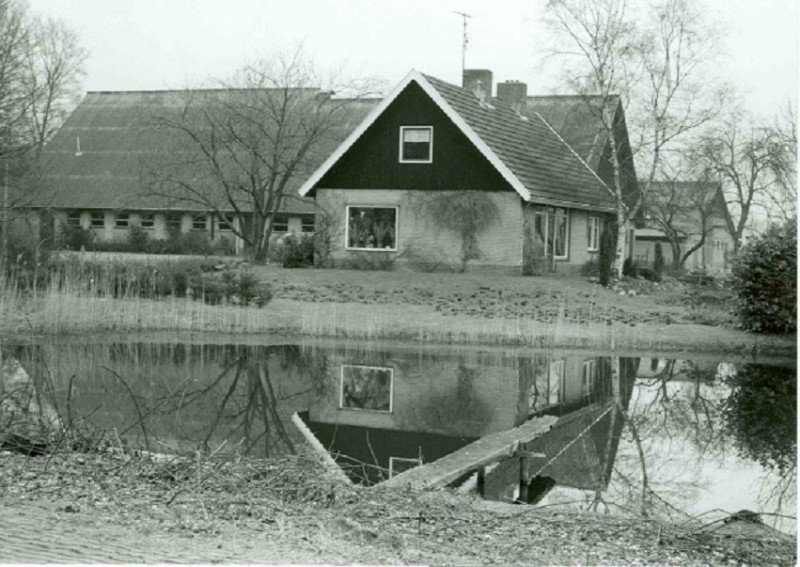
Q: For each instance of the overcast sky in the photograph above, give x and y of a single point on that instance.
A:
(157, 44)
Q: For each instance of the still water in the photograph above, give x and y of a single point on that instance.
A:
(635, 435)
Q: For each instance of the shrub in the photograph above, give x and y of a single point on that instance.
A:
(243, 289)
(630, 268)
(589, 268)
(138, 239)
(76, 238)
(658, 262)
(534, 260)
(649, 275)
(380, 261)
(296, 251)
(605, 257)
(764, 278)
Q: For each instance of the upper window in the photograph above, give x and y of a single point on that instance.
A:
(281, 224)
(372, 228)
(593, 234)
(416, 144)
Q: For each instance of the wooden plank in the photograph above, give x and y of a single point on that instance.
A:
(480, 453)
(328, 462)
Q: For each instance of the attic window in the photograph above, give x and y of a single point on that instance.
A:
(416, 144)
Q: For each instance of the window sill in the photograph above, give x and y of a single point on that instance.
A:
(371, 249)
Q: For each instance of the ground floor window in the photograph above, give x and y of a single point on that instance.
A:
(97, 219)
(371, 228)
(147, 220)
(593, 234)
(73, 218)
(281, 224)
(366, 388)
(307, 224)
(173, 221)
(199, 222)
(122, 220)
(552, 229)
(223, 224)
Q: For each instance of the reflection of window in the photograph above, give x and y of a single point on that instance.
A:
(370, 228)
(147, 220)
(416, 144)
(281, 224)
(398, 465)
(587, 377)
(556, 382)
(307, 224)
(97, 220)
(366, 388)
(547, 389)
(73, 218)
(552, 229)
(198, 222)
(593, 234)
(121, 220)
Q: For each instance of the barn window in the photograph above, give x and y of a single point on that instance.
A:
(372, 228)
(122, 220)
(416, 144)
(97, 219)
(307, 224)
(147, 220)
(174, 221)
(73, 218)
(281, 224)
(199, 222)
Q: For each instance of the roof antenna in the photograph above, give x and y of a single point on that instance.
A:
(465, 41)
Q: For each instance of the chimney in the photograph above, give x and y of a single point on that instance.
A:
(514, 94)
(479, 82)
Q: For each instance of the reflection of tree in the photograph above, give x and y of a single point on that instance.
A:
(460, 413)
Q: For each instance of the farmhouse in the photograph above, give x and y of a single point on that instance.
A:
(538, 168)
(689, 219)
(114, 165)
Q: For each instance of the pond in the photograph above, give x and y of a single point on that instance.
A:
(671, 438)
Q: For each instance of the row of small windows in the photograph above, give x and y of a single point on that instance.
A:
(175, 221)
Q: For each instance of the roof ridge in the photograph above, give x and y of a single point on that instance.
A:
(571, 149)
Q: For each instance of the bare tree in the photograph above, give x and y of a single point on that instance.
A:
(658, 62)
(239, 151)
(753, 163)
(685, 210)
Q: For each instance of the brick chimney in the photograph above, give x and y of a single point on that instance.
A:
(479, 82)
(514, 94)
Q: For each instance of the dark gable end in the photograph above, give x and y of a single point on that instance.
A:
(372, 162)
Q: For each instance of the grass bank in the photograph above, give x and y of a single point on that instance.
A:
(458, 309)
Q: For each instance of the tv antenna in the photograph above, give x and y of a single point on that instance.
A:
(464, 17)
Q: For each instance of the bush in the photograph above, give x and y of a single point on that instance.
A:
(649, 275)
(630, 268)
(658, 262)
(77, 238)
(605, 257)
(241, 289)
(764, 278)
(380, 261)
(589, 268)
(296, 251)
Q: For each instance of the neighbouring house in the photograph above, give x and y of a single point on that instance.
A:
(539, 163)
(690, 220)
(98, 170)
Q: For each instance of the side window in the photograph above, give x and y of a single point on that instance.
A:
(593, 234)
(416, 144)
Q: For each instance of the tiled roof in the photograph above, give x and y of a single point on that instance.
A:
(119, 142)
(545, 164)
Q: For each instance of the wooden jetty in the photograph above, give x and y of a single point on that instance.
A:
(473, 457)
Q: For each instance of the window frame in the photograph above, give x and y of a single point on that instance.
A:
(74, 218)
(173, 220)
(347, 227)
(401, 159)
(549, 216)
(304, 224)
(94, 216)
(124, 217)
(588, 374)
(196, 218)
(367, 367)
(147, 221)
(223, 224)
(593, 230)
(283, 220)
(393, 460)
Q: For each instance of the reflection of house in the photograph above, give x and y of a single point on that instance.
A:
(414, 408)
(682, 216)
(429, 137)
(100, 163)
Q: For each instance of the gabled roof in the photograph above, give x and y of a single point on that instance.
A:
(712, 189)
(526, 151)
(119, 141)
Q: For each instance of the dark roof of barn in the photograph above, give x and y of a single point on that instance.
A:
(534, 152)
(118, 139)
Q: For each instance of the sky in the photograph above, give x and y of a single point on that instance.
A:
(161, 44)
